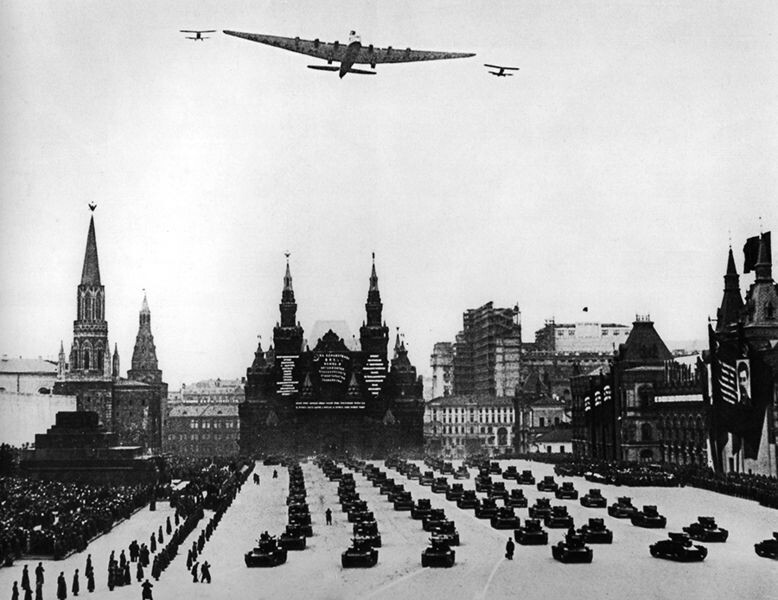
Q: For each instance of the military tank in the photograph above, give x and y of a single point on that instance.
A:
(526, 478)
(468, 500)
(447, 531)
(486, 509)
(438, 554)
(505, 519)
(532, 534)
(649, 517)
(706, 530)
(622, 508)
(594, 499)
(497, 491)
(548, 484)
(566, 491)
(541, 509)
(293, 538)
(679, 548)
(360, 554)
(572, 550)
(516, 499)
(455, 491)
(595, 532)
(421, 509)
(558, 518)
(403, 501)
(368, 530)
(267, 553)
(768, 548)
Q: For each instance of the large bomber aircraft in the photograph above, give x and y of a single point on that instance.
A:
(347, 54)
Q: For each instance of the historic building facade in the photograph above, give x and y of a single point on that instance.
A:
(467, 425)
(331, 398)
(743, 367)
(131, 407)
(194, 429)
(645, 406)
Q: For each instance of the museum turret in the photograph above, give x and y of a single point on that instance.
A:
(288, 335)
(374, 335)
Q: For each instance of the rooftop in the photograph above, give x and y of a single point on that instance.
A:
(200, 410)
(27, 365)
(467, 400)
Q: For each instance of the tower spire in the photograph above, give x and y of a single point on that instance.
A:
(731, 301)
(373, 279)
(90, 273)
(144, 356)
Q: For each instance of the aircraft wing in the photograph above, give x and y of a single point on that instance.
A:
(327, 51)
(369, 55)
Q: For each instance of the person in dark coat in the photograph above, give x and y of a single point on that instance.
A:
(127, 576)
(328, 516)
(122, 559)
(111, 576)
(39, 591)
(146, 594)
(194, 572)
(189, 559)
(169, 527)
(39, 570)
(90, 580)
(160, 539)
(76, 584)
(139, 571)
(153, 544)
(15, 591)
(88, 564)
(509, 547)
(28, 594)
(205, 572)
(25, 578)
(62, 586)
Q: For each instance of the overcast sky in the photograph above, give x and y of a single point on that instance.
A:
(607, 173)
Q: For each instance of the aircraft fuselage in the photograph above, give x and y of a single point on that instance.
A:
(352, 51)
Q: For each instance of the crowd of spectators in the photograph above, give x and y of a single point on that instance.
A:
(53, 518)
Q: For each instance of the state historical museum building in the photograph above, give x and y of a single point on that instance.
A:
(332, 398)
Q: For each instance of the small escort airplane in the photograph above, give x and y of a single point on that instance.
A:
(198, 34)
(347, 54)
(501, 72)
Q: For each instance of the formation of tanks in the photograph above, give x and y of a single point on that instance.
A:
(573, 548)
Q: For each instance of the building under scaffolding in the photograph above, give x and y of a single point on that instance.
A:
(487, 352)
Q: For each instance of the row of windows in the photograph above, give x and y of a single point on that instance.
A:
(218, 424)
(205, 436)
(454, 429)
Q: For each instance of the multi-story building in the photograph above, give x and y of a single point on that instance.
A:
(743, 361)
(442, 363)
(214, 391)
(132, 407)
(27, 375)
(466, 425)
(646, 406)
(196, 429)
(487, 352)
(540, 412)
(584, 337)
(330, 396)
